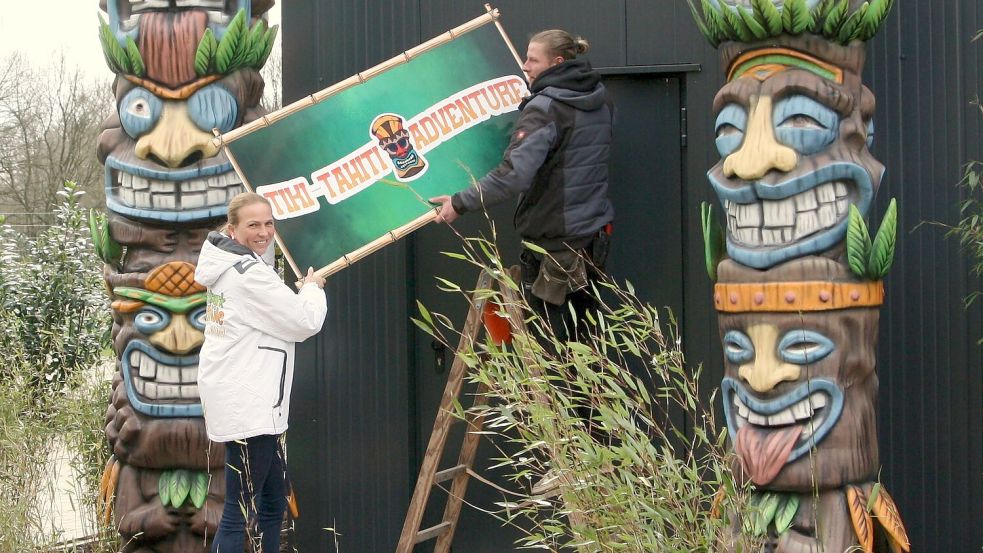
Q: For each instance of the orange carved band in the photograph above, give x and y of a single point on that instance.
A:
(796, 296)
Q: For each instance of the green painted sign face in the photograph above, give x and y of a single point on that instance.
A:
(361, 163)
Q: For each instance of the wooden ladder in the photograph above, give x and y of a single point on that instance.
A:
(461, 471)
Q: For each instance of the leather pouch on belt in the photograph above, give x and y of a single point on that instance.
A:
(560, 273)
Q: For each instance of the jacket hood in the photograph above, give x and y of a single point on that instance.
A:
(218, 254)
(573, 82)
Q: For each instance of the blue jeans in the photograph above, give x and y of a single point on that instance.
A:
(255, 475)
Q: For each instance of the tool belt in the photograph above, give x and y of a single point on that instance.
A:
(559, 273)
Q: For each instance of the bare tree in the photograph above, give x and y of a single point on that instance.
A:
(49, 124)
(273, 77)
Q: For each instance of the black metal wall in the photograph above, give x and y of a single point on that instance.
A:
(366, 387)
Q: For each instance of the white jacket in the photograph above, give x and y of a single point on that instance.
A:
(246, 365)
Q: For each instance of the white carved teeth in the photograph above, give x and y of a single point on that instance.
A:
(802, 410)
(157, 381)
(780, 222)
(146, 193)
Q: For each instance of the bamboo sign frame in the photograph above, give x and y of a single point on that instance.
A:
(319, 174)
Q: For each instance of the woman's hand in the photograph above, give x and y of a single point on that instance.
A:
(311, 277)
(446, 214)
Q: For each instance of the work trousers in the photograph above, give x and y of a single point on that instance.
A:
(255, 474)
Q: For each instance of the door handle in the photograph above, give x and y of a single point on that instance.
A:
(439, 351)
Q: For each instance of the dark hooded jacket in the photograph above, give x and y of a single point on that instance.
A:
(556, 162)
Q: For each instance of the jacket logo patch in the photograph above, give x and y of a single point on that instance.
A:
(244, 265)
(214, 314)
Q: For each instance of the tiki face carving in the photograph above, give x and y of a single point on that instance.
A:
(800, 388)
(161, 163)
(793, 132)
(171, 92)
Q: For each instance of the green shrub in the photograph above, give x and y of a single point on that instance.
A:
(53, 399)
(652, 473)
(52, 306)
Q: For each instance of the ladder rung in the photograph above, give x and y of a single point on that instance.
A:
(447, 474)
(432, 532)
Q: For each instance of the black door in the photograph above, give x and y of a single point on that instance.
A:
(646, 190)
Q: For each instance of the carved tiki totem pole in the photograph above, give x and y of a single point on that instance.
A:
(798, 277)
(182, 69)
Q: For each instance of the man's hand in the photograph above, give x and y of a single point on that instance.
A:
(446, 214)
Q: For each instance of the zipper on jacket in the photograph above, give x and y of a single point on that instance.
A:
(283, 373)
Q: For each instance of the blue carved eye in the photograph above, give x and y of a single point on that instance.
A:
(150, 320)
(738, 347)
(197, 318)
(213, 107)
(804, 124)
(870, 133)
(802, 347)
(139, 112)
(730, 127)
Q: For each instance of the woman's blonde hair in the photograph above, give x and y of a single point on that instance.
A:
(561, 43)
(242, 200)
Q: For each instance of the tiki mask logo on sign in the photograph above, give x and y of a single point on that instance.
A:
(395, 140)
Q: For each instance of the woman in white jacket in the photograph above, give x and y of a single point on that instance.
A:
(246, 365)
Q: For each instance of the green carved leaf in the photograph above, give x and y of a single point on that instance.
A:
(874, 17)
(857, 242)
(882, 251)
(164, 487)
(786, 513)
(199, 489)
(269, 39)
(136, 60)
(94, 233)
(737, 25)
(702, 22)
(111, 249)
(819, 14)
(207, 48)
(116, 58)
(229, 46)
(796, 18)
(107, 249)
(766, 513)
(713, 240)
(255, 45)
(180, 487)
(752, 512)
(852, 24)
(768, 16)
(835, 17)
(755, 28)
(244, 50)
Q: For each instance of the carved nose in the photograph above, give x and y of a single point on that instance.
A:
(176, 141)
(766, 370)
(179, 337)
(760, 152)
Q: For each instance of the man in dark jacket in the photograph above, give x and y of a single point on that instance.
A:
(557, 165)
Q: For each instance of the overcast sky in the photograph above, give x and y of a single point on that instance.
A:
(44, 28)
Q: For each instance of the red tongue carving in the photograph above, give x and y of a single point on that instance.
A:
(764, 451)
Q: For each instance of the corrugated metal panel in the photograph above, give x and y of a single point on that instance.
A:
(924, 72)
(350, 433)
(601, 23)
